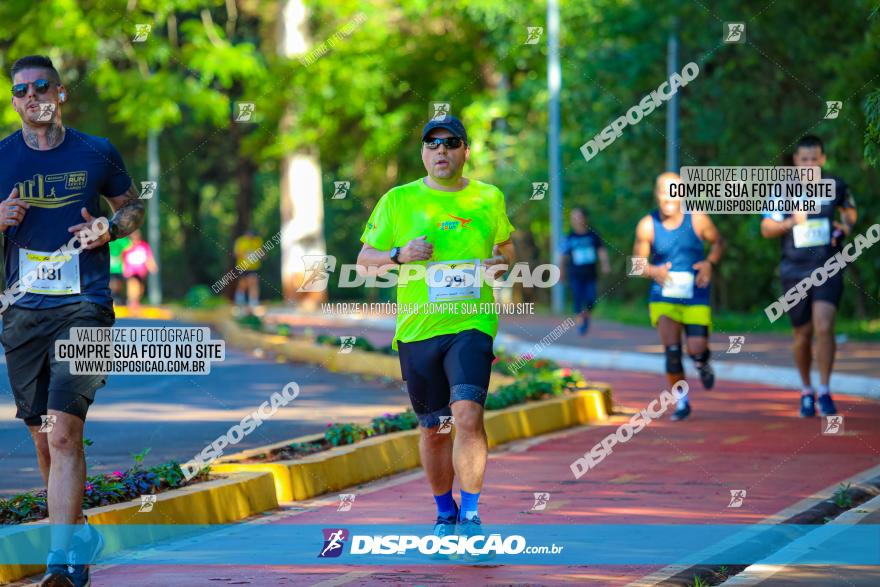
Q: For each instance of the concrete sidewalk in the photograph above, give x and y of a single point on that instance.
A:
(740, 436)
(764, 358)
(810, 575)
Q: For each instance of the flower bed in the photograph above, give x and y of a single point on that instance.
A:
(100, 490)
(544, 381)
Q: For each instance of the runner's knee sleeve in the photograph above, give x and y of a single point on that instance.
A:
(701, 357)
(673, 359)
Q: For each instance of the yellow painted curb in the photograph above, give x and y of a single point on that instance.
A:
(385, 455)
(144, 312)
(220, 501)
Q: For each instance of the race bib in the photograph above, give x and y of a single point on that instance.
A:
(51, 274)
(453, 281)
(812, 233)
(583, 255)
(679, 284)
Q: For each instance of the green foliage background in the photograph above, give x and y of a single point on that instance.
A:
(361, 105)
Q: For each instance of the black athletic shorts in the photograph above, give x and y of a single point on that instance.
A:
(39, 381)
(445, 369)
(830, 292)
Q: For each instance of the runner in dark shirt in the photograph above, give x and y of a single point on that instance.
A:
(57, 277)
(581, 250)
(807, 241)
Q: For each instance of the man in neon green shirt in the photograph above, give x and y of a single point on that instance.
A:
(442, 230)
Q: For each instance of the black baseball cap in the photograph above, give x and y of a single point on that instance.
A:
(450, 123)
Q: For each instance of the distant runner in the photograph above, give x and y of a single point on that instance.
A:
(674, 244)
(247, 289)
(117, 280)
(451, 225)
(137, 264)
(807, 242)
(581, 249)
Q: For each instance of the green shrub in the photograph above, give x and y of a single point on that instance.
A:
(341, 434)
(250, 321)
(201, 296)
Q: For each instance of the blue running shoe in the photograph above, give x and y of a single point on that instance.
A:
(445, 526)
(826, 405)
(808, 405)
(682, 413)
(583, 327)
(86, 545)
(57, 571)
(473, 527)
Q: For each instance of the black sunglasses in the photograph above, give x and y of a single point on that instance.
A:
(450, 142)
(41, 86)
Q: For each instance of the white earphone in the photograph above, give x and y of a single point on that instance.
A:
(61, 95)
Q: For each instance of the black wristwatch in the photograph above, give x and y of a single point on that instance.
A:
(395, 253)
(114, 231)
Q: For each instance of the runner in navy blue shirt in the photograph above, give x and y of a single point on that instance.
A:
(581, 250)
(806, 243)
(57, 277)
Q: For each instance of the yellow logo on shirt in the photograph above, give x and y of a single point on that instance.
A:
(452, 225)
(33, 191)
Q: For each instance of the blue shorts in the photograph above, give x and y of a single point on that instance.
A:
(444, 369)
(583, 293)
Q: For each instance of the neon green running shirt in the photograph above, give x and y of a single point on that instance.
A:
(462, 226)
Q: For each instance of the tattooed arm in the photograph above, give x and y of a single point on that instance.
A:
(128, 216)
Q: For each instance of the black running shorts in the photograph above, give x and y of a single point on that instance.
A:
(830, 291)
(39, 381)
(441, 370)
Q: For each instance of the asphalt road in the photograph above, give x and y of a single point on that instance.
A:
(177, 415)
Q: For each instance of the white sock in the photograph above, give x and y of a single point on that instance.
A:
(808, 390)
(824, 389)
